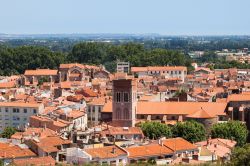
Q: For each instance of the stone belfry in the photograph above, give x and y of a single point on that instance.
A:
(124, 101)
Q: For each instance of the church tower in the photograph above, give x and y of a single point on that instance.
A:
(124, 102)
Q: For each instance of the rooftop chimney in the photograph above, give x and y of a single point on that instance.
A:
(113, 150)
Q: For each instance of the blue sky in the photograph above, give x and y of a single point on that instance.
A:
(168, 17)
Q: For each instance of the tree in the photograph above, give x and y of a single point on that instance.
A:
(192, 131)
(240, 156)
(235, 130)
(180, 92)
(43, 79)
(155, 130)
(8, 132)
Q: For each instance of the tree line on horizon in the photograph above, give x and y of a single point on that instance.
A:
(15, 60)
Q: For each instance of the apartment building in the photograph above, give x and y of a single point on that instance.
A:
(122, 67)
(16, 114)
(166, 71)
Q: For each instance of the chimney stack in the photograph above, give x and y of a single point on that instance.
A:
(113, 150)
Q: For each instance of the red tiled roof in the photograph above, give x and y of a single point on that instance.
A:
(178, 144)
(49, 144)
(10, 84)
(200, 114)
(218, 146)
(40, 72)
(87, 92)
(14, 151)
(41, 132)
(181, 108)
(123, 131)
(106, 152)
(238, 97)
(70, 65)
(19, 104)
(39, 161)
(148, 151)
(107, 108)
(71, 114)
(65, 85)
(157, 68)
(75, 98)
(97, 101)
(203, 68)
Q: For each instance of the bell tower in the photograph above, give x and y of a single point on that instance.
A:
(124, 102)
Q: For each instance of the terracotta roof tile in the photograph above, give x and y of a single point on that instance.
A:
(181, 108)
(123, 131)
(14, 151)
(238, 97)
(106, 152)
(157, 68)
(19, 104)
(40, 72)
(107, 108)
(39, 161)
(10, 84)
(148, 151)
(178, 144)
(49, 144)
(82, 66)
(201, 114)
(41, 132)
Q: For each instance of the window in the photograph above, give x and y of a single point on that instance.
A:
(34, 111)
(172, 72)
(15, 110)
(15, 124)
(118, 97)
(89, 109)
(7, 117)
(24, 119)
(24, 110)
(99, 109)
(179, 72)
(125, 97)
(15, 118)
(6, 110)
(175, 72)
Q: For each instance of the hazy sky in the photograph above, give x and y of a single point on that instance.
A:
(170, 17)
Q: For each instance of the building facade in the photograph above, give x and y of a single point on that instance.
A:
(17, 115)
(124, 102)
(157, 71)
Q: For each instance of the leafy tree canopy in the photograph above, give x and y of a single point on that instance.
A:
(240, 156)
(235, 130)
(17, 60)
(8, 132)
(155, 130)
(192, 131)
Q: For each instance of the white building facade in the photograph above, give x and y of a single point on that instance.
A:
(13, 114)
